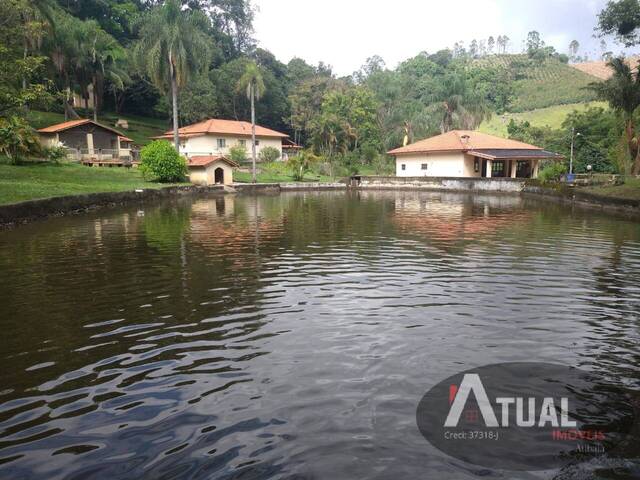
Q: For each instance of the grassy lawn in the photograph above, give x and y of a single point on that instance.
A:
(41, 180)
(550, 117)
(629, 190)
(140, 128)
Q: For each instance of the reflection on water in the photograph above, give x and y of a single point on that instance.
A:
(292, 335)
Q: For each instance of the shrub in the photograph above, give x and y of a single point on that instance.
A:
(552, 172)
(269, 154)
(238, 154)
(55, 154)
(161, 161)
(18, 140)
(301, 163)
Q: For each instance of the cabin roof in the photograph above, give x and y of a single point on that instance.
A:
(206, 160)
(61, 127)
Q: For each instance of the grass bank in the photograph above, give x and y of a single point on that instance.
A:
(19, 183)
(630, 190)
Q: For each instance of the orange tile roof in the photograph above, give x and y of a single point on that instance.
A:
(223, 127)
(461, 141)
(61, 127)
(125, 139)
(205, 160)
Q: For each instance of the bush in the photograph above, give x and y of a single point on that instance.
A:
(55, 154)
(238, 154)
(269, 154)
(552, 172)
(161, 161)
(301, 163)
(18, 140)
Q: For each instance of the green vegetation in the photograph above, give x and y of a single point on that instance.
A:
(279, 172)
(269, 154)
(541, 83)
(162, 162)
(552, 117)
(552, 172)
(43, 180)
(252, 83)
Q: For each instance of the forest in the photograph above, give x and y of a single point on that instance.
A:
(132, 57)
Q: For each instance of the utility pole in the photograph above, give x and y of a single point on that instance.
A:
(573, 136)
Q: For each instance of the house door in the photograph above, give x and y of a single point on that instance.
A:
(523, 169)
(219, 175)
(484, 168)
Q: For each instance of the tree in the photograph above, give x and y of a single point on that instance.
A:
(491, 43)
(473, 48)
(459, 106)
(18, 140)
(173, 46)
(622, 91)
(534, 42)
(253, 84)
(573, 49)
(301, 163)
(622, 19)
(162, 162)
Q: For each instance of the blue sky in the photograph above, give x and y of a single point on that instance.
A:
(343, 33)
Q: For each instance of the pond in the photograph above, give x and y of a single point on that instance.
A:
(292, 336)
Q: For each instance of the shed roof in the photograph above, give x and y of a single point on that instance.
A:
(206, 160)
(462, 141)
(223, 127)
(61, 127)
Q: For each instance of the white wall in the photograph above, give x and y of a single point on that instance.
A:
(208, 145)
(438, 165)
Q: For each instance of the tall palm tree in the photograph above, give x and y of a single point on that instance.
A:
(173, 45)
(252, 83)
(622, 91)
(458, 105)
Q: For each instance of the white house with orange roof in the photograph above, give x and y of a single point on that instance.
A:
(465, 153)
(217, 137)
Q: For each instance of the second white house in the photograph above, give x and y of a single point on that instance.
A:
(465, 153)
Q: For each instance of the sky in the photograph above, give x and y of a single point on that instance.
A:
(344, 33)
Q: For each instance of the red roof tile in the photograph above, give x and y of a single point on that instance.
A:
(205, 160)
(223, 127)
(461, 141)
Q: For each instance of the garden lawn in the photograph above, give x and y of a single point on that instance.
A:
(43, 180)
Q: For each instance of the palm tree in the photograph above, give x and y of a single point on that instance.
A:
(622, 91)
(252, 82)
(173, 45)
(458, 105)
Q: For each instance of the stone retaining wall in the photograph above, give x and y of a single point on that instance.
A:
(511, 185)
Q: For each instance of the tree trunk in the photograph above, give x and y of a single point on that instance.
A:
(86, 103)
(253, 134)
(174, 99)
(95, 98)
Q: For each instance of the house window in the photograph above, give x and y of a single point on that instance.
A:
(403, 166)
(222, 143)
(183, 144)
(497, 168)
(476, 165)
(423, 166)
(257, 142)
(242, 143)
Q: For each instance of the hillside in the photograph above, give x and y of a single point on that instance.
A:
(543, 117)
(140, 128)
(600, 70)
(542, 84)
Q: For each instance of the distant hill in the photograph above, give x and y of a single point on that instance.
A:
(541, 84)
(599, 69)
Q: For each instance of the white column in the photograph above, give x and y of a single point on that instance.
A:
(90, 143)
(514, 163)
(535, 168)
(489, 166)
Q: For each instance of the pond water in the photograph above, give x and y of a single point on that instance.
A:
(293, 336)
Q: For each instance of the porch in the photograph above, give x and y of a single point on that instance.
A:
(509, 163)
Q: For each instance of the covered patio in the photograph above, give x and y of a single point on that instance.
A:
(510, 163)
